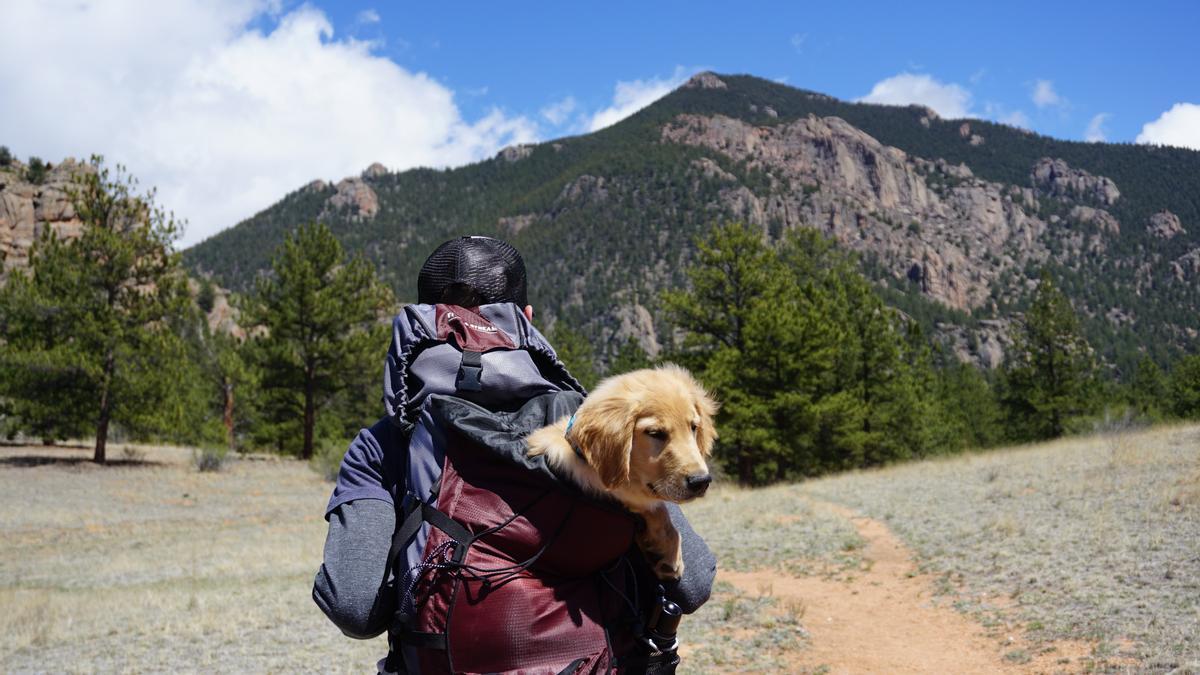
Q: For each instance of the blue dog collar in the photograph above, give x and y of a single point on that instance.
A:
(567, 435)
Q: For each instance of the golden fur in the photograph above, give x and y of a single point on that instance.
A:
(645, 438)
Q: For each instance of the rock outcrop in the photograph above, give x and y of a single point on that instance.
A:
(985, 345)
(375, 171)
(1053, 177)
(222, 317)
(634, 321)
(585, 189)
(1186, 268)
(26, 210)
(512, 225)
(1098, 217)
(1165, 225)
(355, 195)
(929, 221)
(515, 153)
(705, 80)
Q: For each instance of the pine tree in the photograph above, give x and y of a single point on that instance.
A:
(318, 321)
(970, 410)
(628, 358)
(730, 273)
(90, 330)
(1049, 372)
(1185, 387)
(1148, 390)
(575, 352)
(36, 171)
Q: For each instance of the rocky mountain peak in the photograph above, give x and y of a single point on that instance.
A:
(374, 171)
(705, 80)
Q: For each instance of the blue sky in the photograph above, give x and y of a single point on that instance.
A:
(1130, 61)
(226, 105)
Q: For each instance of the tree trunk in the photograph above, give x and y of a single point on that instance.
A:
(745, 468)
(228, 412)
(105, 408)
(309, 417)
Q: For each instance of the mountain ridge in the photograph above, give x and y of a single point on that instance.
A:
(953, 218)
(1092, 211)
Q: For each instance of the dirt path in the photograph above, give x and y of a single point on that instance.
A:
(882, 619)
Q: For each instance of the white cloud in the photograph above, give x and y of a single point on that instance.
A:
(367, 16)
(947, 99)
(1179, 126)
(1095, 132)
(1044, 94)
(1015, 118)
(224, 119)
(798, 40)
(1000, 113)
(556, 113)
(630, 97)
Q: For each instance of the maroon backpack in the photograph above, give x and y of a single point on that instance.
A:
(498, 566)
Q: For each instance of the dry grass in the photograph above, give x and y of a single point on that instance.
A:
(1091, 538)
(150, 565)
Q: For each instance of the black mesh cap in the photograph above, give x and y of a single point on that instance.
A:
(491, 268)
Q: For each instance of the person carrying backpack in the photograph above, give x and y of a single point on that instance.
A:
(472, 556)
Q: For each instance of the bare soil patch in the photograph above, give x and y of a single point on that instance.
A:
(883, 617)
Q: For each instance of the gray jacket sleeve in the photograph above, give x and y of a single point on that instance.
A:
(699, 566)
(351, 585)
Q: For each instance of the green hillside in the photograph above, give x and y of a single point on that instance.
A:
(625, 230)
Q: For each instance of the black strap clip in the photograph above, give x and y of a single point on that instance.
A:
(470, 371)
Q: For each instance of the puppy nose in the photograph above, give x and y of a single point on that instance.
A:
(698, 483)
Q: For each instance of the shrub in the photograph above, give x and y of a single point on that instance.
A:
(1185, 387)
(327, 460)
(210, 458)
(6, 157)
(36, 172)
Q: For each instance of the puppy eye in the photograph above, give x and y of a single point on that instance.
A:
(657, 434)
(695, 427)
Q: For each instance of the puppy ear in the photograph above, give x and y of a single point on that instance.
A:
(706, 430)
(603, 430)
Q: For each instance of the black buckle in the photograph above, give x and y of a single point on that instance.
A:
(470, 372)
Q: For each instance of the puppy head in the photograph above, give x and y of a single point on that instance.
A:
(649, 431)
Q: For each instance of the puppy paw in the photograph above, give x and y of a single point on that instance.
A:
(661, 545)
(668, 571)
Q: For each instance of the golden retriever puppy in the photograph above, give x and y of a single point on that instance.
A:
(642, 438)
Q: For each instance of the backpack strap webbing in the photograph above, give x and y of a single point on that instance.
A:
(419, 513)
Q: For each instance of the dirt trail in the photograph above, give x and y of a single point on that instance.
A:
(882, 619)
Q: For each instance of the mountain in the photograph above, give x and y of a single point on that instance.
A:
(954, 218)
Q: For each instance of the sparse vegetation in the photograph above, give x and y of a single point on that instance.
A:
(1087, 538)
(210, 458)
